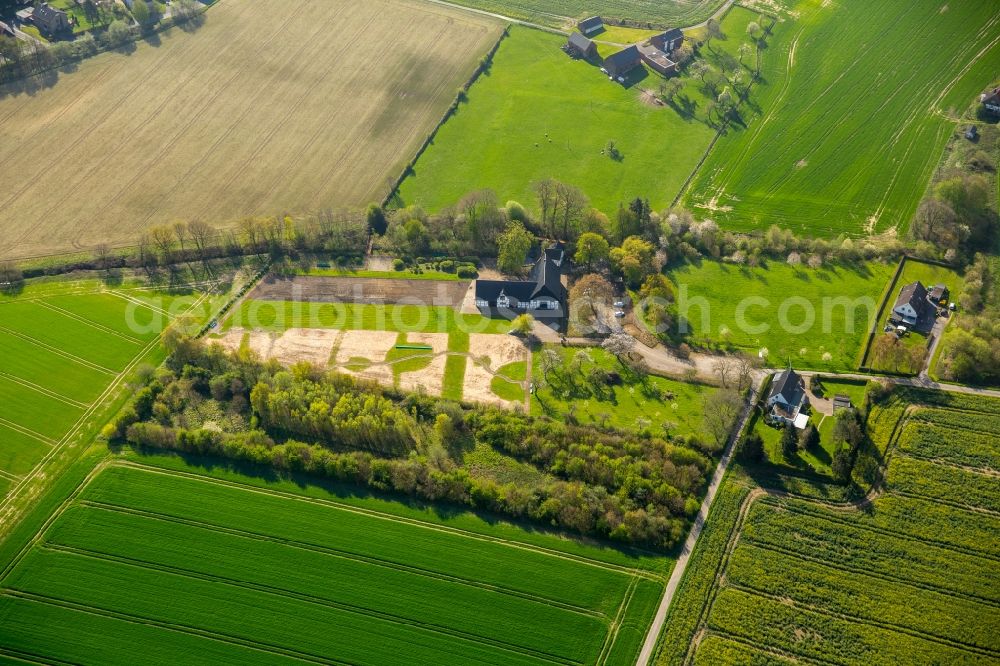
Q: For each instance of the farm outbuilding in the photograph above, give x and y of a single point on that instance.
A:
(991, 100)
(590, 26)
(657, 60)
(580, 47)
(617, 65)
(667, 41)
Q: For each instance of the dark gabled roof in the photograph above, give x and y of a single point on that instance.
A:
(46, 13)
(991, 96)
(667, 36)
(938, 291)
(546, 280)
(788, 385)
(623, 60)
(489, 290)
(587, 24)
(914, 295)
(579, 42)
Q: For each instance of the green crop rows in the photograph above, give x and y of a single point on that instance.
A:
(293, 577)
(911, 577)
(855, 120)
(62, 344)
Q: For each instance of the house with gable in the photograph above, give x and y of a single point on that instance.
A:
(618, 65)
(543, 295)
(579, 46)
(913, 309)
(591, 25)
(787, 400)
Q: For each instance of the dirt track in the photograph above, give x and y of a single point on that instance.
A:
(363, 290)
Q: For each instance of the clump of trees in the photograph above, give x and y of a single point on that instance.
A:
(633, 488)
(971, 351)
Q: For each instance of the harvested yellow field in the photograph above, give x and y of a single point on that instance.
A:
(269, 108)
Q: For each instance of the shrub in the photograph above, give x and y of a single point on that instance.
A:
(467, 273)
(398, 264)
(447, 266)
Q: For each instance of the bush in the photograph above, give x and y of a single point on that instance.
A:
(447, 266)
(398, 264)
(467, 273)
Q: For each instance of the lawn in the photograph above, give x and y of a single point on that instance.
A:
(540, 114)
(508, 381)
(636, 403)
(910, 579)
(311, 574)
(282, 315)
(849, 130)
(558, 13)
(281, 115)
(63, 344)
(812, 318)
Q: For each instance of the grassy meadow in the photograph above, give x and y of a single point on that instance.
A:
(849, 129)
(289, 573)
(637, 403)
(261, 111)
(912, 579)
(281, 315)
(748, 307)
(539, 114)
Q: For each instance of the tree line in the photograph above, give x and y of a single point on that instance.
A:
(626, 487)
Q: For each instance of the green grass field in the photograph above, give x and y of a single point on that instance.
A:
(850, 129)
(281, 315)
(63, 345)
(637, 403)
(539, 114)
(260, 574)
(770, 307)
(911, 579)
(67, 347)
(557, 13)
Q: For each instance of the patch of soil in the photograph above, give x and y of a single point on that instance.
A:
(373, 345)
(431, 378)
(305, 344)
(488, 354)
(362, 290)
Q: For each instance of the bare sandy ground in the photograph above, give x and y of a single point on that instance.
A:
(372, 345)
(431, 378)
(259, 342)
(488, 354)
(305, 344)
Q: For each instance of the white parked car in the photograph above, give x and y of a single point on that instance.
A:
(619, 314)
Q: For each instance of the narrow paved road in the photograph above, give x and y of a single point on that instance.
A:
(649, 646)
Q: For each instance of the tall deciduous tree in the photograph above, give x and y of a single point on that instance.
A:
(591, 249)
(513, 245)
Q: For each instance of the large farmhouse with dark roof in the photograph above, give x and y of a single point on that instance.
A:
(543, 296)
(991, 100)
(589, 26)
(617, 65)
(913, 309)
(787, 400)
(49, 20)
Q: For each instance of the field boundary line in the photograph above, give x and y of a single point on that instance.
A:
(878, 530)
(87, 322)
(30, 658)
(168, 626)
(390, 517)
(882, 576)
(308, 599)
(44, 391)
(28, 432)
(941, 462)
(969, 508)
(112, 387)
(855, 619)
(341, 554)
(766, 649)
(7, 475)
(130, 299)
(612, 636)
(60, 352)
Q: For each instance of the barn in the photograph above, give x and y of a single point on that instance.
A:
(590, 26)
(618, 65)
(579, 46)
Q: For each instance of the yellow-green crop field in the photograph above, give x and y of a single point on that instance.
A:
(235, 569)
(908, 577)
(63, 348)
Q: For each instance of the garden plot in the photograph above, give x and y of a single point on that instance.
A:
(363, 353)
(431, 377)
(489, 353)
